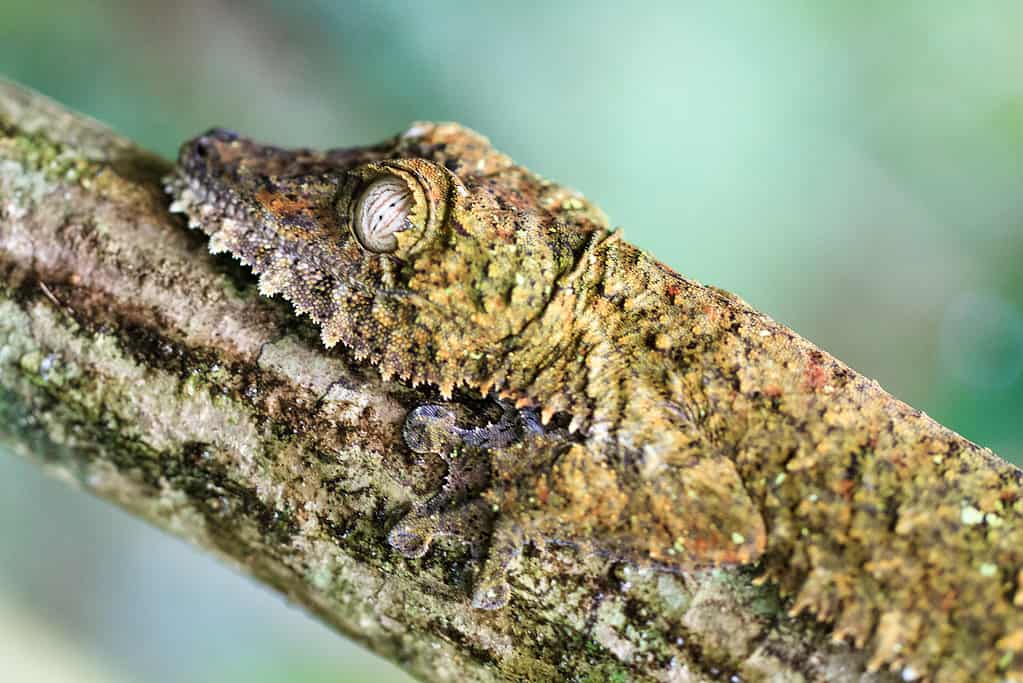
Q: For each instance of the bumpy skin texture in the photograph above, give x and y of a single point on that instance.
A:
(664, 422)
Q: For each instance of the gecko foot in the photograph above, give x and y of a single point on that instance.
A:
(476, 451)
(469, 522)
(510, 536)
(450, 512)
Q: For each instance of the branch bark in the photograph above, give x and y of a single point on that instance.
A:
(153, 375)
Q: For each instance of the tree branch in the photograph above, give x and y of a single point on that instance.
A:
(153, 375)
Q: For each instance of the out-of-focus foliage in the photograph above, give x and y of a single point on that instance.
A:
(853, 169)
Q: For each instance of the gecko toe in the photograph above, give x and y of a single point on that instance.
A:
(410, 543)
(432, 428)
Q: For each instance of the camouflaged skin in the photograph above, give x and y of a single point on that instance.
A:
(684, 428)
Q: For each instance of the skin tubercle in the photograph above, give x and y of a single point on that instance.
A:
(661, 421)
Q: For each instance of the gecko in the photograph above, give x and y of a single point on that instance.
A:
(645, 416)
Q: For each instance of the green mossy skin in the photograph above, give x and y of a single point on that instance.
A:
(752, 444)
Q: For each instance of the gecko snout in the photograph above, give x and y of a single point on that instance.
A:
(218, 135)
(207, 145)
(203, 156)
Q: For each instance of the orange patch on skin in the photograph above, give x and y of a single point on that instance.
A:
(816, 376)
(845, 488)
(281, 204)
(542, 490)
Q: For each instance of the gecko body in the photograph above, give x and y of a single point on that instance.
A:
(661, 421)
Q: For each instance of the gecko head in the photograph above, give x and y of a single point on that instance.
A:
(428, 253)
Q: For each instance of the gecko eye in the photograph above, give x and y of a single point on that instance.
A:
(384, 209)
(395, 207)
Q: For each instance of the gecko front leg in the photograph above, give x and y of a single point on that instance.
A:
(485, 463)
(450, 512)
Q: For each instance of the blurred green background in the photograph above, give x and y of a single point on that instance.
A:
(852, 169)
